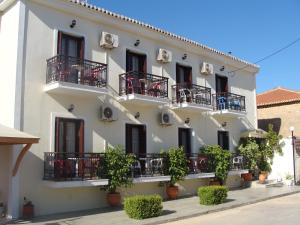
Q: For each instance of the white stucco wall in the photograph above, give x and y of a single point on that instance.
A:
(41, 108)
(9, 29)
(283, 165)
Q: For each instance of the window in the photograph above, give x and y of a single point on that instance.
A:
(184, 139)
(183, 74)
(136, 62)
(70, 45)
(136, 139)
(69, 135)
(223, 139)
(221, 84)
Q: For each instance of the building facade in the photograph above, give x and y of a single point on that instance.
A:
(83, 79)
(281, 107)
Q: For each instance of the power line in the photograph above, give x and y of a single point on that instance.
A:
(270, 55)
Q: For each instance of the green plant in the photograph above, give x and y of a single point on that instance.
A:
(219, 160)
(250, 151)
(288, 176)
(143, 206)
(116, 167)
(212, 195)
(177, 163)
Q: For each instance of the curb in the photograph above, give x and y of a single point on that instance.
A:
(222, 209)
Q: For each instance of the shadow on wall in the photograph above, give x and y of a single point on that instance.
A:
(264, 123)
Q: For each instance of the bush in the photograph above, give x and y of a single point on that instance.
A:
(212, 195)
(143, 206)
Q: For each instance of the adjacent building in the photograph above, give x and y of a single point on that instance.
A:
(281, 108)
(82, 78)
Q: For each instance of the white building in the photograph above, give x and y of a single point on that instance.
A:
(66, 77)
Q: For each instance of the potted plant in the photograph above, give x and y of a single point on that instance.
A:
(219, 161)
(116, 167)
(265, 168)
(289, 179)
(28, 209)
(250, 151)
(177, 169)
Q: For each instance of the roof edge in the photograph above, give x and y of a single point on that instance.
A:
(5, 4)
(167, 33)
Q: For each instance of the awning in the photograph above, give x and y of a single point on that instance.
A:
(11, 136)
(256, 133)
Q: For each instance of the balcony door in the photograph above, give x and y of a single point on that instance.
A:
(223, 139)
(73, 49)
(69, 135)
(221, 84)
(184, 139)
(136, 139)
(183, 74)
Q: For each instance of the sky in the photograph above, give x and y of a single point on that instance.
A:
(250, 29)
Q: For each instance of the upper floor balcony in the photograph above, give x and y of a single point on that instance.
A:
(143, 88)
(191, 97)
(229, 104)
(75, 76)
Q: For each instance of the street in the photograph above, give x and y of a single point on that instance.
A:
(279, 211)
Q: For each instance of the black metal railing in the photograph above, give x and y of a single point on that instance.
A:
(198, 163)
(144, 84)
(72, 166)
(75, 70)
(228, 100)
(191, 93)
(88, 166)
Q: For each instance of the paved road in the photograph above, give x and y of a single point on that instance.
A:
(279, 211)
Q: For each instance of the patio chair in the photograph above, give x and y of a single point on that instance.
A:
(193, 165)
(136, 169)
(156, 166)
(221, 103)
(237, 162)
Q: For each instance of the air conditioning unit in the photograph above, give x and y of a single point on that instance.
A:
(207, 68)
(109, 40)
(165, 118)
(164, 55)
(108, 113)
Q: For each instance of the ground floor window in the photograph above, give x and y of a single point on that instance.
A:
(223, 139)
(69, 135)
(136, 139)
(184, 139)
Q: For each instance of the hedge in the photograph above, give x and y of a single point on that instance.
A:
(212, 195)
(143, 206)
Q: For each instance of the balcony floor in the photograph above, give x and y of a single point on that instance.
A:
(74, 89)
(191, 107)
(75, 183)
(143, 99)
(228, 113)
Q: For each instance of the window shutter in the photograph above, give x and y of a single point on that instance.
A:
(59, 43)
(128, 134)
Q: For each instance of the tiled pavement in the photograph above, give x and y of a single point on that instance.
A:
(172, 210)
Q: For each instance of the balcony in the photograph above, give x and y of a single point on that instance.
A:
(80, 168)
(143, 88)
(191, 97)
(229, 105)
(70, 170)
(74, 76)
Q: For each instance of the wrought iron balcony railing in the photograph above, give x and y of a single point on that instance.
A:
(72, 166)
(88, 166)
(191, 93)
(227, 100)
(144, 84)
(75, 70)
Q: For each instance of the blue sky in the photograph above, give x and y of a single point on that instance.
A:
(250, 29)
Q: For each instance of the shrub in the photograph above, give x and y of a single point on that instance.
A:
(212, 195)
(219, 160)
(143, 206)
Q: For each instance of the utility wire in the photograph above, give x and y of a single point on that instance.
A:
(269, 56)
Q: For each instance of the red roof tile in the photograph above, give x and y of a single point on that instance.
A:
(277, 96)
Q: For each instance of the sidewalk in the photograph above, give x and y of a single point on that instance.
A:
(172, 210)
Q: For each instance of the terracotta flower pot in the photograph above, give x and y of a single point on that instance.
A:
(28, 211)
(214, 182)
(247, 176)
(172, 192)
(113, 199)
(263, 176)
